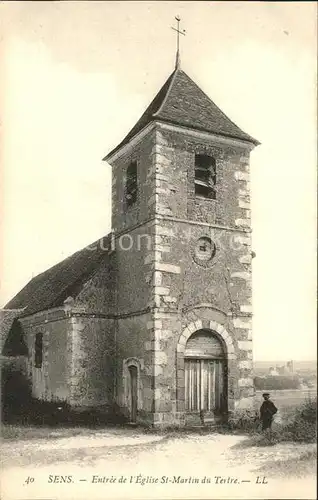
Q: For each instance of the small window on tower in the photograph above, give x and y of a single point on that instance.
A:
(38, 350)
(205, 176)
(131, 184)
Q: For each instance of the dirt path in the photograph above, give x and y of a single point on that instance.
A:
(116, 464)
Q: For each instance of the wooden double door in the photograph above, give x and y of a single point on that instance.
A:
(205, 374)
(204, 386)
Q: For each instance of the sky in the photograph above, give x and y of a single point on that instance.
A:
(76, 76)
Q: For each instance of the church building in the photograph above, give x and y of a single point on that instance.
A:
(154, 320)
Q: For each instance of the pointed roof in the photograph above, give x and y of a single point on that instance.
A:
(181, 102)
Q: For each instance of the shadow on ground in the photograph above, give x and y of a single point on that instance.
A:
(26, 445)
(255, 439)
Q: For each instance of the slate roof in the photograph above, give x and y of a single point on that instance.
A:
(181, 102)
(50, 288)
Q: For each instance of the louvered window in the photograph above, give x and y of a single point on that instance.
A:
(205, 176)
(131, 184)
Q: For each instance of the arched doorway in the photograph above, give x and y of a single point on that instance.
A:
(205, 375)
(133, 373)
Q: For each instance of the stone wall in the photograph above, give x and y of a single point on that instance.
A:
(175, 160)
(50, 382)
(182, 285)
(142, 153)
(133, 347)
(78, 357)
(133, 252)
(144, 303)
(91, 351)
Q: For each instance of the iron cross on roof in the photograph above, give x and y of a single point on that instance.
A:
(179, 32)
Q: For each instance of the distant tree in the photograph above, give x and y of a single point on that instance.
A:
(259, 383)
(276, 382)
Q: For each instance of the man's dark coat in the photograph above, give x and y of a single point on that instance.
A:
(268, 410)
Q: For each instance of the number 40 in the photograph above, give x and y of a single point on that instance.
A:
(29, 480)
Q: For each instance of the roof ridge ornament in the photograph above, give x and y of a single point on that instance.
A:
(179, 32)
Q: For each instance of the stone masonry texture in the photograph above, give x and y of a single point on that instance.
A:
(145, 300)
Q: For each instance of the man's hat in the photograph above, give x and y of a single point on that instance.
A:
(266, 394)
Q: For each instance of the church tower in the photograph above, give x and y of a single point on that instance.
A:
(182, 259)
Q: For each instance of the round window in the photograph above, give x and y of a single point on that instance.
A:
(204, 250)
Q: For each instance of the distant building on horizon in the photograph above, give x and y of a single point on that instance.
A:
(273, 372)
(281, 370)
(290, 366)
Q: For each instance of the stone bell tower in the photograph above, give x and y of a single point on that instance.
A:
(181, 178)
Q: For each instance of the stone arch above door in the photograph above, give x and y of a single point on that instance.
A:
(215, 328)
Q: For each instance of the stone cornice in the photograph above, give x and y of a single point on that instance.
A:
(206, 224)
(217, 139)
(46, 316)
(158, 218)
(133, 142)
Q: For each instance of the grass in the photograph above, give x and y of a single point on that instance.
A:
(287, 399)
(32, 432)
(300, 466)
(297, 425)
(288, 452)
(24, 433)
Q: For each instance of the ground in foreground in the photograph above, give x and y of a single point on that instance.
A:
(130, 463)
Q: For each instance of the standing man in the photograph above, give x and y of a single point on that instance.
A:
(267, 411)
